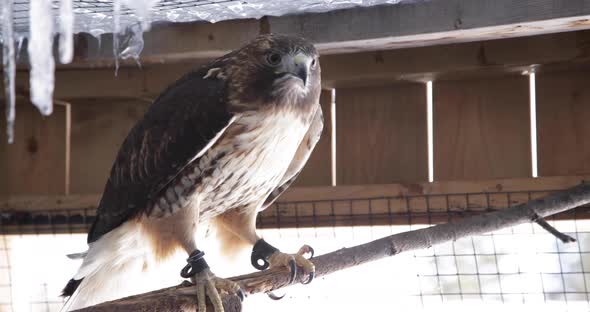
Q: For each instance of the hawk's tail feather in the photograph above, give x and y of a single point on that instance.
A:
(71, 287)
(117, 265)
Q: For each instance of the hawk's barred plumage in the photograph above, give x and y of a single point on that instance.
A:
(221, 143)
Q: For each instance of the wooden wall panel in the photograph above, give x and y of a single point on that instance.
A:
(36, 163)
(317, 170)
(481, 129)
(563, 127)
(98, 129)
(381, 134)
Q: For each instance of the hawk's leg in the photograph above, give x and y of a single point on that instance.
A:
(208, 285)
(240, 223)
(265, 255)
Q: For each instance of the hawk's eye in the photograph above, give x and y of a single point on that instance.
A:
(273, 59)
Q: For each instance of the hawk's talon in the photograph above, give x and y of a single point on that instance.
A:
(240, 293)
(309, 279)
(306, 249)
(293, 269)
(294, 262)
(272, 296)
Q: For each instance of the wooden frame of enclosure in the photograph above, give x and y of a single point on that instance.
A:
(374, 145)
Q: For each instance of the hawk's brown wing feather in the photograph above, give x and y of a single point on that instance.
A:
(178, 125)
(301, 156)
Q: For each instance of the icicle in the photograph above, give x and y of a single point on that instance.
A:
(41, 55)
(99, 41)
(133, 43)
(20, 39)
(133, 36)
(8, 60)
(66, 31)
(142, 9)
(116, 29)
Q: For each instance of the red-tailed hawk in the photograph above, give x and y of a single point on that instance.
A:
(220, 144)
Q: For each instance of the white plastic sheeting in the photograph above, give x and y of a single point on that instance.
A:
(96, 16)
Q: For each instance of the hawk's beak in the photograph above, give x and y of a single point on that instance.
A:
(302, 73)
(298, 66)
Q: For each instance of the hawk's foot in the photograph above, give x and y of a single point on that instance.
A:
(209, 285)
(293, 261)
(264, 255)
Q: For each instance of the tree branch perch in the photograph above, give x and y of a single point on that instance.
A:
(183, 298)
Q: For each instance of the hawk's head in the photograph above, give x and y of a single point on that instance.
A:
(274, 70)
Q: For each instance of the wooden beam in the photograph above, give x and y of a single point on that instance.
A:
(424, 23)
(419, 23)
(369, 68)
(302, 195)
(516, 55)
(393, 204)
(428, 188)
(36, 203)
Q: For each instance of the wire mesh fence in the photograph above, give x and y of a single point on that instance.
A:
(515, 268)
(398, 210)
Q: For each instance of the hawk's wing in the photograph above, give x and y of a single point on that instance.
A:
(179, 126)
(301, 156)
